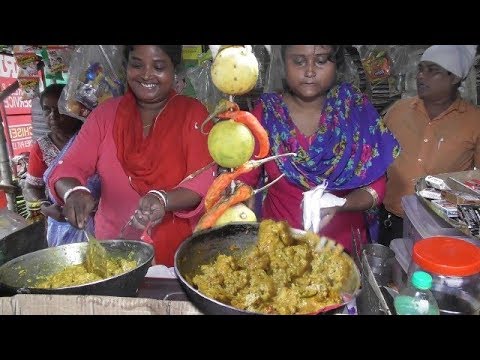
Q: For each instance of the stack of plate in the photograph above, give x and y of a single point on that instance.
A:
(381, 94)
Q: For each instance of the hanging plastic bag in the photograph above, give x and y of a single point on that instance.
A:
(275, 73)
(97, 73)
(201, 80)
(349, 73)
(263, 57)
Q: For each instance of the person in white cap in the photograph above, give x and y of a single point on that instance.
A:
(438, 131)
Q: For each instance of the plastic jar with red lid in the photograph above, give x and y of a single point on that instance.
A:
(454, 265)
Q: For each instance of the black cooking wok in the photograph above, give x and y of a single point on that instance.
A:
(204, 246)
(18, 275)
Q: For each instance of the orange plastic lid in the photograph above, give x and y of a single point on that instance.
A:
(447, 256)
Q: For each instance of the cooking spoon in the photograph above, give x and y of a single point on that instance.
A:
(96, 260)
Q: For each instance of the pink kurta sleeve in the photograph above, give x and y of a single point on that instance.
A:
(199, 184)
(36, 166)
(80, 160)
(379, 186)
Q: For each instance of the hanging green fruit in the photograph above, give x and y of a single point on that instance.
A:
(235, 69)
(236, 213)
(230, 143)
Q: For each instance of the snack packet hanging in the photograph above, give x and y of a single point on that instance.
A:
(55, 77)
(30, 87)
(27, 64)
(377, 65)
(59, 57)
(28, 79)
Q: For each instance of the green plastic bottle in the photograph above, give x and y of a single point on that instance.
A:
(416, 298)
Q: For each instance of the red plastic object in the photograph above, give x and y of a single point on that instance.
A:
(146, 237)
(447, 256)
(3, 200)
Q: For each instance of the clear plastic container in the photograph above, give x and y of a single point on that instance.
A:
(416, 298)
(403, 254)
(454, 265)
(380, 259)
(402, 248)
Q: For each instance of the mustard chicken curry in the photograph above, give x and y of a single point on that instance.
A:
(282, 274)
(78, 275)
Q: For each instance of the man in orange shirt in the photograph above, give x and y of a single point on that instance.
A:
(438, 131)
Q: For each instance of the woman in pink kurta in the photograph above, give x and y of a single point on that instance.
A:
(142, 145)
(337, 135)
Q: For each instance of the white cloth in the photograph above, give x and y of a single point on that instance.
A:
(458, 59)
(161, 271)
(313, 202)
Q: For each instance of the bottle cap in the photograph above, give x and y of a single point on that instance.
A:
(422, 280)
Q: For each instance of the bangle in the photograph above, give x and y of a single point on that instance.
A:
(374, 195)
(33, 205)
(45, 202)
(160, 195)
(76, 188)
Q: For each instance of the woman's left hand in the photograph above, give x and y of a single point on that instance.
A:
(150, 212)
(54, 211)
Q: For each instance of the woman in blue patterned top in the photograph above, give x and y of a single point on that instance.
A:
(338, 137)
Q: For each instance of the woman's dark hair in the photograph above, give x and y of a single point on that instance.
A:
(337, 55)
(173, 51)
(51, 90)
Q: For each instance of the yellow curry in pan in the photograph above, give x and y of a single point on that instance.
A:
(281, 274)
(78, 275)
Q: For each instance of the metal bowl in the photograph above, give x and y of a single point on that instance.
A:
(18, 275)
(204, 246)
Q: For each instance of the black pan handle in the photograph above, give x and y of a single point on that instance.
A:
(171, 296)
(23, 291)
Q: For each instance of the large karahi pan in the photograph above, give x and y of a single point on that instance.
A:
(18, 275)
(204, 246)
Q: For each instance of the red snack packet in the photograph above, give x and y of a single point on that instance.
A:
(377, 65)
(471, 184)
